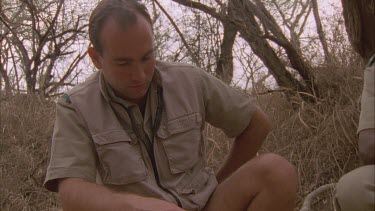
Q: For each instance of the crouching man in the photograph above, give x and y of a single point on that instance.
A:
(130, 137)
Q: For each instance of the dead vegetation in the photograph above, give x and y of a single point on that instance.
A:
(320, 139)
(26, 128)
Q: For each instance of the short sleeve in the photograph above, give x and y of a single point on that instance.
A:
(226, 107)
(367, 116)
(72, 152)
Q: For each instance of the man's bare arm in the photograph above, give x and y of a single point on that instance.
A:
(80, 195)
(367, 146)
(246, 144)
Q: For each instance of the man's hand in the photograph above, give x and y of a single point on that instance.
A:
(80, 195)
(366, 144)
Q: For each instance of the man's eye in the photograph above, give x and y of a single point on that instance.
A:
(123, 63)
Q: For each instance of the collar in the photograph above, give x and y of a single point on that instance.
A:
(110, 95)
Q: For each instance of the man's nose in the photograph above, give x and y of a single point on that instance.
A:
(138, 74)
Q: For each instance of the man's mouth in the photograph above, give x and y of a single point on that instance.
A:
(137, 85)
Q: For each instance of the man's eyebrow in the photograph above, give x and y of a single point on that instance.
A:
(149, 52)
(121, 59)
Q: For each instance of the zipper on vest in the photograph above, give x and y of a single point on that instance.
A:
(149, 145)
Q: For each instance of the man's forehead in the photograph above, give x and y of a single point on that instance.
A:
(113, 22)
(128, 58)
(124, 22)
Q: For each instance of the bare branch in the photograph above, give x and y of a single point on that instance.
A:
(274, 39)
(319, 28)
(43, 38)
(273, 91)
(302, 28)
(220, 3)
(195, 60)
(4, 19)
(204, 8)
(55, 95)
(68, 72)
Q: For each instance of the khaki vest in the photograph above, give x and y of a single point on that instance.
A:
(174, 170)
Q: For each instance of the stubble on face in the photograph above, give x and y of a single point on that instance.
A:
(128, 58)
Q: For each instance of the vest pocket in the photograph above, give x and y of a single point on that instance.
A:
(120, 158)
(181, 139)
(199, 189)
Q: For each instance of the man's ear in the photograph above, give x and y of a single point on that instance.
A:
(95, 57)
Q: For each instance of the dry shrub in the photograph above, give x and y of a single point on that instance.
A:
(26, 128)
(319, 139)
(217, 146)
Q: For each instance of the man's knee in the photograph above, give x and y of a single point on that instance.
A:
(274, 169)
(356, 190)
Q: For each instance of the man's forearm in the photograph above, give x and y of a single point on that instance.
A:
(80, 195)
(246, 145)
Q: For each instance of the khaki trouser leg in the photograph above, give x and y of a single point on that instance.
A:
(355, 191)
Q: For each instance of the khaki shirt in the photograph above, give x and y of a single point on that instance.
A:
(367, 116)
(104, 139)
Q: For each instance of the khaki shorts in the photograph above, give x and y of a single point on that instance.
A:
(355, 191)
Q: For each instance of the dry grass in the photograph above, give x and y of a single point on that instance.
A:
(26, 128)
(320, 140)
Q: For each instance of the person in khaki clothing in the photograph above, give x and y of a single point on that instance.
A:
(130, 136)
(355, 191)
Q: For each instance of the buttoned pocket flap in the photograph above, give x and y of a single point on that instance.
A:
(181, 140)
(184, 124)
(110, 137)
(180, 125)
(121, 160)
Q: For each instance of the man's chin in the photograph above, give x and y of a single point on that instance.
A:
(136, 98)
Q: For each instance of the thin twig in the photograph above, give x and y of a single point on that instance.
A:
(311, 196)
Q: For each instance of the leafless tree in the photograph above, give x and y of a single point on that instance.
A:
(196, 35)
(42, 39)
(252, 77)
(258, 27)
(294, 15)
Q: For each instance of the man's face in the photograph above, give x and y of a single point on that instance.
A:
(128, 58)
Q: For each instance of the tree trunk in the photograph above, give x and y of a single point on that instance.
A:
(5, 78)
(320, 31)
(30, 81)
(225, 62)
(359, 21)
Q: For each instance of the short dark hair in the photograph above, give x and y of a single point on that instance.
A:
(123, 11)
